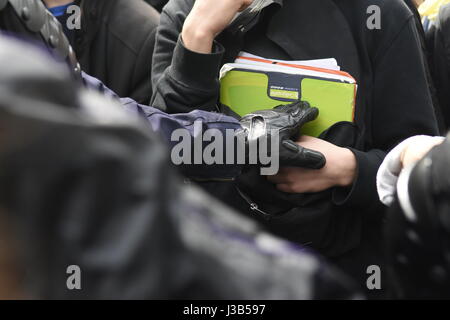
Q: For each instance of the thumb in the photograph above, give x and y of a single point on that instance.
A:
(294, 155)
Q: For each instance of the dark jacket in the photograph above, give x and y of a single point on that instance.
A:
(428, 66)
(393, 99)
(157, 4)
(115, 44)
(438, 40)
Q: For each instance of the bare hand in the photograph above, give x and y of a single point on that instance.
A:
(416, 150)
(207, 19)
(340, 170)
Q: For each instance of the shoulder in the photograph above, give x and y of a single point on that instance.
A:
(177, 10)
(394, 17)
(133, 12)
(387, 7)
(135, 15)
(393, 12)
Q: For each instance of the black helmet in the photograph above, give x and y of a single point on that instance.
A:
(418, 228)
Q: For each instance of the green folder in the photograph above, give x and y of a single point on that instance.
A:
(246, 90)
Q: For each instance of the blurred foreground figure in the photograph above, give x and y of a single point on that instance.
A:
(92, 189)
(416, 184)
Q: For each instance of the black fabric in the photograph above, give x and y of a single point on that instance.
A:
(418, 240)
(157, 4)
(428, 66)
(70, 33)
(310, 219)
(115, 44)
(393, 100)
(256, 39)
(438, 41)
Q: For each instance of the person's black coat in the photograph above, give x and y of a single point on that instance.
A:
(393, 100)
(438, 40)
(115, 44)
(157, 4)
(428, 64)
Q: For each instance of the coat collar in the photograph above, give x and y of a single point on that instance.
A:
(305, 30)
(313, 30)
(249, 17)
(94, 13)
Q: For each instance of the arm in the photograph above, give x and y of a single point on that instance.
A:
(402, 108)
(160, 121)
(187, 60)
(195, 123)
(251, 130)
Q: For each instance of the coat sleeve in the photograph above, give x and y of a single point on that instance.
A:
(194, 125)
(182, 80)
(402, 107)
(142, 84)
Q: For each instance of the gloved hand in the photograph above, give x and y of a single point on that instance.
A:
(287, 120)
(405, 154)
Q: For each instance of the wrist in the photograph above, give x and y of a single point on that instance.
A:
(347, 170)
(197, 39)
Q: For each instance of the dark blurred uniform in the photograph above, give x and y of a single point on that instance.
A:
(418, 229)
(97, 190)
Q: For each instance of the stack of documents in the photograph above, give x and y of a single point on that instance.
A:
(254, 83)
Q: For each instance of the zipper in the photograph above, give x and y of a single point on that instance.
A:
(253, 205)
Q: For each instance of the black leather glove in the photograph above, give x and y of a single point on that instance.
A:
(287, 120)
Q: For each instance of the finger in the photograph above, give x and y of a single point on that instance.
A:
(311, 114)
(288, 175)
(278, 179)
(295, 155)
(287, 171)
(301, 111)
(285, 187)
(292, 108)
